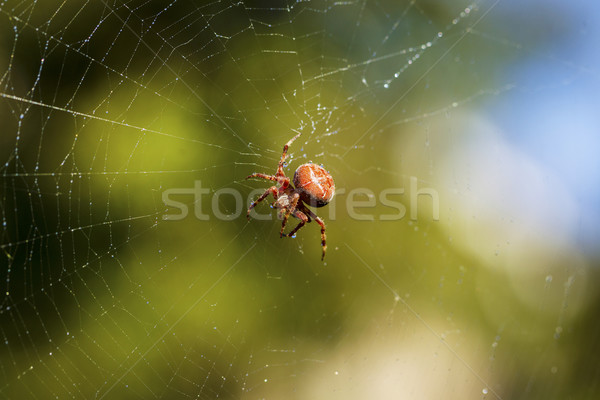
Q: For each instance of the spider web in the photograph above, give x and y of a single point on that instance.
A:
(462, 137)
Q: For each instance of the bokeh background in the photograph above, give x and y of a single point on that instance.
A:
(486, 289)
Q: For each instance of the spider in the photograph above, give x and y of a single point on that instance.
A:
(313, 186)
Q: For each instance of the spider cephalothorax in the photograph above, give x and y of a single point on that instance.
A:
(313, 186)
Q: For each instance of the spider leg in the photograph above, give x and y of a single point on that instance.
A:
(290, 209)
(303, 220)
(262, 176)
(272, 189)
(284, 154)
(322, 224)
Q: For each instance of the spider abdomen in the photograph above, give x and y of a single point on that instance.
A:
(314, 184)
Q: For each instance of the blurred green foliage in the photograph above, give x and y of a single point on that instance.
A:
(121, 102)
